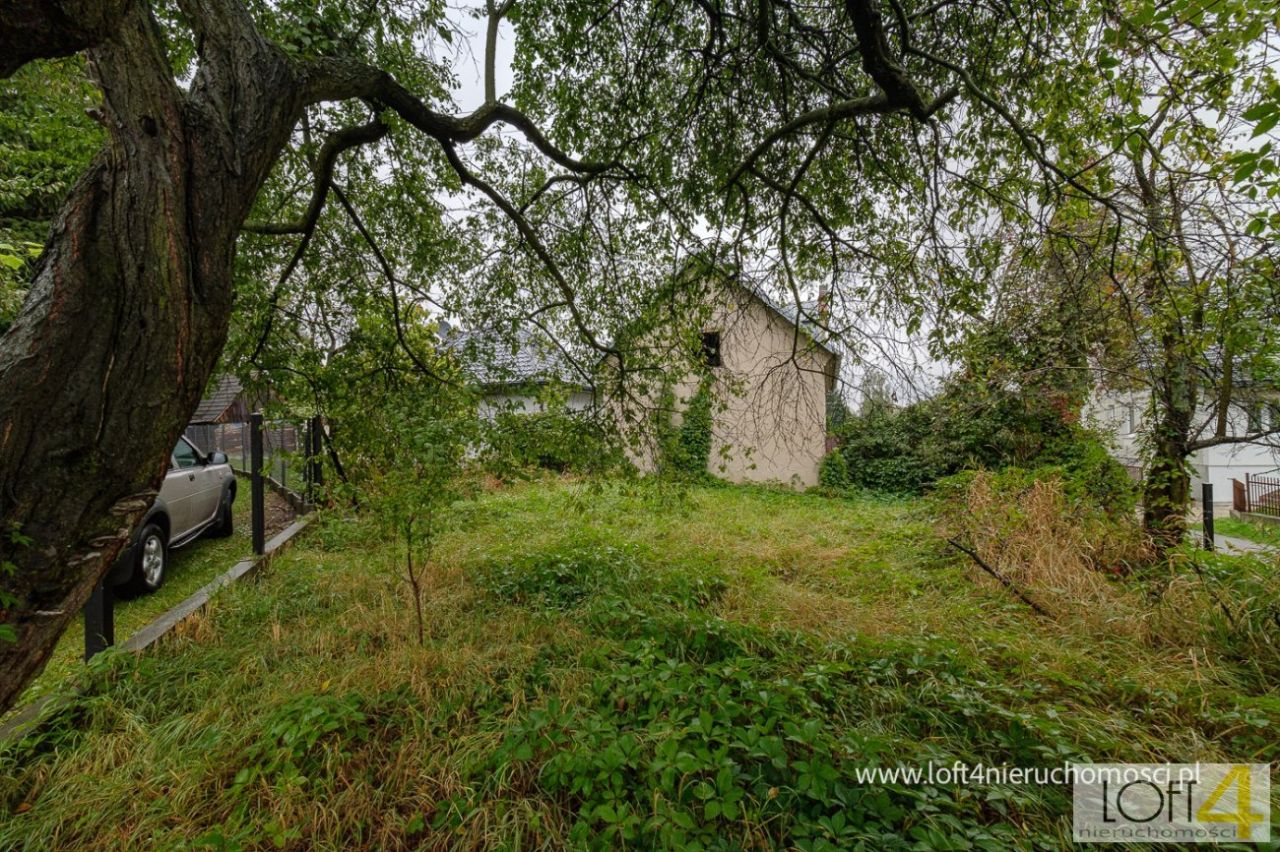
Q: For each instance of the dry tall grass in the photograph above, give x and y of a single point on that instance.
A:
(1077, 562)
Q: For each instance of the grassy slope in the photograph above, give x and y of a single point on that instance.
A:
(612, 663)
(190, 567)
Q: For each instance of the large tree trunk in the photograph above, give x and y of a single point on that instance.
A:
(128, 311)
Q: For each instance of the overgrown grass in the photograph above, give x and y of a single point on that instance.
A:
(190, 567)
(1261, 533)
(611, 664)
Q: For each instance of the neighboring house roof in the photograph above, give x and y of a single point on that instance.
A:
(493, 360)
(214, 406)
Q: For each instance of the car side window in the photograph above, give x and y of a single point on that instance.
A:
(184, 455)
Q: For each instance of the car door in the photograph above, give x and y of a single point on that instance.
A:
(180, 487)
(204, 502)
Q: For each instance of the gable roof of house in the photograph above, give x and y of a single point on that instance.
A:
(797, 315)
(215, 404)
(526, 358)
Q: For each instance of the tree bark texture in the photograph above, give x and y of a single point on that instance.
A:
(1167, 487)
(128, 309)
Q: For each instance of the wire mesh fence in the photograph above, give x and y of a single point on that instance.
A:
(284, 445)
(281, 454)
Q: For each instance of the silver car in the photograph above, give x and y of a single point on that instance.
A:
(195, 498)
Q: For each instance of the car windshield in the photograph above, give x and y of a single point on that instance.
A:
(185, 455)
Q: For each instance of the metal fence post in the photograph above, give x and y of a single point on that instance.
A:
(1206, 503)
(306, 464)
(99, 621)
(317, 448)
(256, 497)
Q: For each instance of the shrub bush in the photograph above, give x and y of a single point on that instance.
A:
(833, 472)
(1091, 474)
(907, 450)
(557, 440)
(889, 449)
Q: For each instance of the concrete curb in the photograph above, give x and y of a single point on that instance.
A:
(29, 717)
(1256, 518)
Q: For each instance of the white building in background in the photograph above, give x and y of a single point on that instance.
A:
(1123, 415)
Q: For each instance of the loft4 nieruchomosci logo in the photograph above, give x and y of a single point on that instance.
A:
(1171, 803)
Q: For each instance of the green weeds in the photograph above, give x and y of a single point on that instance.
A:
(606, 668)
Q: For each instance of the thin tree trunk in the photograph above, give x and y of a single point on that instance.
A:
(1167, 488)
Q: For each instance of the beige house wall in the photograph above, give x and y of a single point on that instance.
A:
(769, 418)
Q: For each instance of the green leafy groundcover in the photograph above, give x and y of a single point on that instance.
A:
(689, 737)
(602, 669)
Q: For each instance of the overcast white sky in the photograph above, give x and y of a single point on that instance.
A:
(470, 62)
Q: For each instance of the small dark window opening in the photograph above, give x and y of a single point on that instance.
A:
(1255, 418)
(711, 348)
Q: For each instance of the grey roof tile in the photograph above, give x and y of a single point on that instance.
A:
(222, 397)
(528, 358)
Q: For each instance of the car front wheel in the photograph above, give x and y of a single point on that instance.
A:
(152, 560)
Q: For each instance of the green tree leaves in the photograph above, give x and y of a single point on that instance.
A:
(46, 142)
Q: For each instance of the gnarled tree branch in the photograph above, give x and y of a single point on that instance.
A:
(898, 92)
(44, 29)
(343, 140)
(331, 78)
